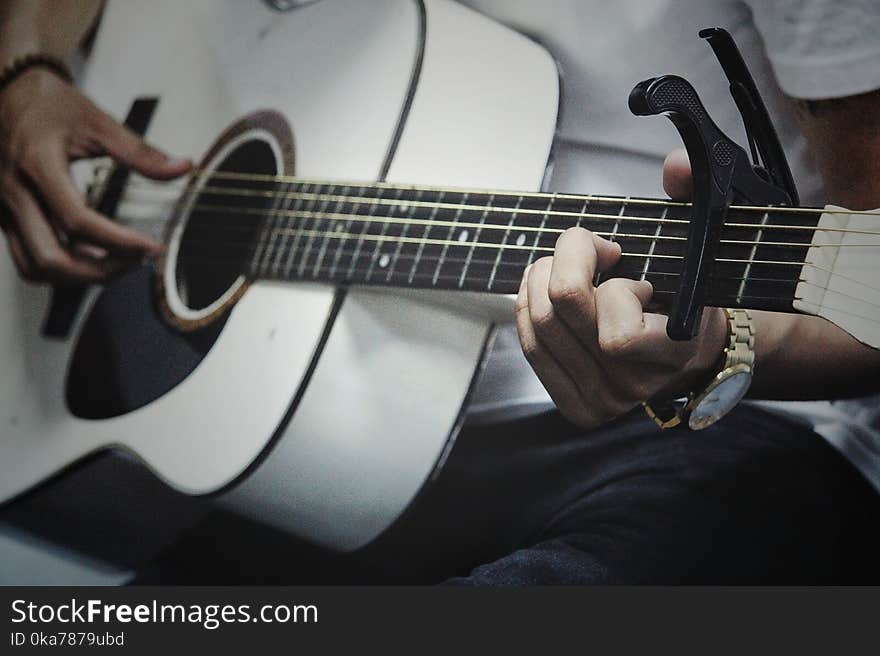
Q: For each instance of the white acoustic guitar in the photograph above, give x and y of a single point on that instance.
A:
(306, 348)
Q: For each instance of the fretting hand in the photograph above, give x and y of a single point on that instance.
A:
(595, 349)
(45, 123)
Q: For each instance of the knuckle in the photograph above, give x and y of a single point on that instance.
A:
(543, 319)
(566, 293)
(618, 342)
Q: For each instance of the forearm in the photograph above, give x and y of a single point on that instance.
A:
(801, 357)
(44, 26)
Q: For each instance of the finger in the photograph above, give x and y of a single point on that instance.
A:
(621, 320)
(554, 333)
(39, 243)
(578, 256)
(567, 351)
(48, 170)
(558, 383)
(129, 149)
(677, 179)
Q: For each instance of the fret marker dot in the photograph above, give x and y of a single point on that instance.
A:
(384, 260)
(463, 235)
(521, 240)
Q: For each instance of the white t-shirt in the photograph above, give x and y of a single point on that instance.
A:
(804, 48)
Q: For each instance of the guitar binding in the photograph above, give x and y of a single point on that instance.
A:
(194, 289)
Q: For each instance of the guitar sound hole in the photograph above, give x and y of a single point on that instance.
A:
(128, 354)
(223, 224)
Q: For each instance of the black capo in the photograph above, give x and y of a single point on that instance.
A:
(722, 172)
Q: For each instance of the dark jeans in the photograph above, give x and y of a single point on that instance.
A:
(754, 499)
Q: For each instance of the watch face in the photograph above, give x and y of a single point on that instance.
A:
(719, 400)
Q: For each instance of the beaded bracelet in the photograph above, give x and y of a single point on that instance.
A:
(27, 62)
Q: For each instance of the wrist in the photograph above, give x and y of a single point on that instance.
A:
(713, 353)
(31, 65)
(716, 384)
(707, 360)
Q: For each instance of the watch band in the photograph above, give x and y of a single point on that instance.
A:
(740, 350)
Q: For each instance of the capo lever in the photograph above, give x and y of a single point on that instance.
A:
(722, 171)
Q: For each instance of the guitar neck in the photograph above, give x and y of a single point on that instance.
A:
(477, 240)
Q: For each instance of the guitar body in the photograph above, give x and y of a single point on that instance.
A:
(319, 411)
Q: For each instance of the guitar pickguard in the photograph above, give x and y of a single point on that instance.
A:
(127, 355)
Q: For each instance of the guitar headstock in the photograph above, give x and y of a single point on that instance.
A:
(841, 278)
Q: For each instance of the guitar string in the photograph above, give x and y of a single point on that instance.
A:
(512, 194)
(326, 198)
(234, 248)
(273, 270)
(386, 279)
(351, 218)
(394, 203)
(476, 244)
(444, 242)
(338, 216)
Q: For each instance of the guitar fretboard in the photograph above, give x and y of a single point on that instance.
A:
(483, 240)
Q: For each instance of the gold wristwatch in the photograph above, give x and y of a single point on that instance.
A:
(728, 387)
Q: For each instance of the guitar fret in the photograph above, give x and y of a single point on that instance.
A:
(448, 238)
(540, 229)
(748, 268)
(653, 246)
(316, 228)
(297, 234)
(613, 235)
(582, 213)
(341, 245)
(336, 226)
(268, 236)
(403, 233)
(421, 247)
(286, 223)
(375, 257)
(359, 246)
(504, 243)
(476, 239)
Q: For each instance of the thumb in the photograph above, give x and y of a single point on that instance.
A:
(677, 180)
(129, 149)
